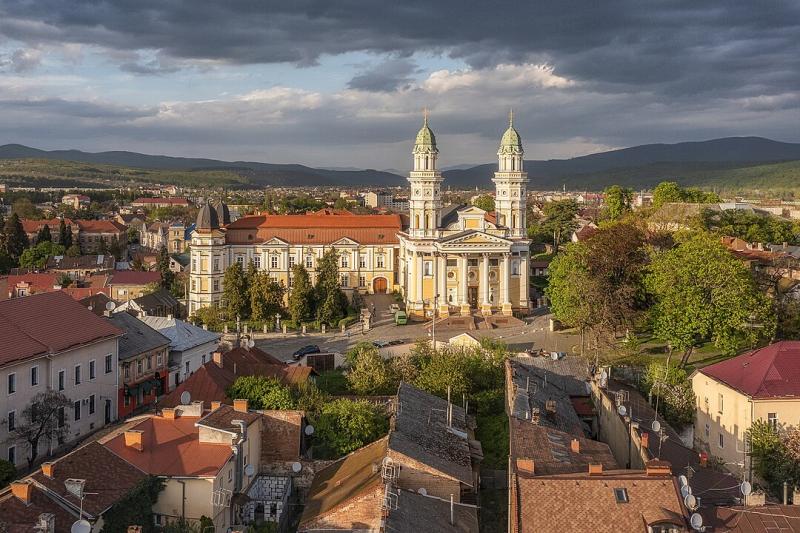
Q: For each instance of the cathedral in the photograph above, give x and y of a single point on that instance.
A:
(444, 260)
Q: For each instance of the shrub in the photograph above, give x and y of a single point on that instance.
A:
(343, 426)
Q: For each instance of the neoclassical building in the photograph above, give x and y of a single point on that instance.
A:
(444, 260)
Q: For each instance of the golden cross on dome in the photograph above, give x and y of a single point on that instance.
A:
(511, 117)
(425, 115)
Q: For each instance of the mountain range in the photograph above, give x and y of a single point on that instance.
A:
(732, 162)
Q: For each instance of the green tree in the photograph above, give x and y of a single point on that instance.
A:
(261, 392)
(24, 208)
(444, 369)
(618, 202)
(485, 202)
(369, 374)
(167, 275)
(559, 221)
(667, 192)
(234, 292)
(15, 240)
(775, 455)
(266, 297)
(671, 385)
(8, 473)
(73, 251)
(209, 316)
(62, 234)
(44, 234)
(344, 425)
(331, 301)
(43, 418)
(342, 203)
(36, 256)
(66, 242)
(701, 293)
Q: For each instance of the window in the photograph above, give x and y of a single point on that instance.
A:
(216, 285)
(706, 403)
(257, 262)
(772, 420)
(216, 264)
(139, 367)
(77, 374)
(494, 262)
(379, 261)
(362, 261)
(427, 268)
(34, 375)
(362, 281)
(472, 262)
(91, 404)
(77, 408)
(62, 377)
(149, 362)
(158, 360)
(621, 495)
(127, 370)
(194, 265)
(12, 420)
(515, 268)
(187, 368)
(92, 369)
(12, 383)
(708, 430)
(721, 440)
(345, 261)
(12, 455)
(62, 417)
(309, 261)
(719, 403)
(194, 285)
(345, 280)
(108, 363)
(292, 260)
(203, 359)
(273, 262)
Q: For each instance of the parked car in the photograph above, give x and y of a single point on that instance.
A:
(394, 308)
(306, 350)
(380, 344)
(400, 318)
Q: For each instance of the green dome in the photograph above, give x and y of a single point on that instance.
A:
(511, 143)
(426, 140)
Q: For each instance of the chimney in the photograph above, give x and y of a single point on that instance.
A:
(215, 405)
(133, 439)
(645, 438)
(240, 406)
(575, 446)
(525, 466)
(46, 523)
(595, 469)
(48, 468)
(168, 413)
(22, 490)
(217, 358)
(658, 468)
(756, 498)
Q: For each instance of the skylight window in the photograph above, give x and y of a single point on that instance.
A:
(621, 495)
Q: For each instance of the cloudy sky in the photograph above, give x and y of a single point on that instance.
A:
(343, 83)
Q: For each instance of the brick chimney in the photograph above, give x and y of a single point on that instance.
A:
(215, 405)
(169, 413)
(217, 358)
(240, 406)
(22, 490)
(48, 468)
(525, 466)
(595, 469)
(658, 468)
(575, 446)
(133, 439)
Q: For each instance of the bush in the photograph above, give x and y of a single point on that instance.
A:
(8, 472)
(343, 426)
(776, 457)
(348, 321)
(672, 386)
(369, 374)
(262, 392)
(333, 382)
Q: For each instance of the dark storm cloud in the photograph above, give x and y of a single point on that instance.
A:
(387, 76)
(683, 46)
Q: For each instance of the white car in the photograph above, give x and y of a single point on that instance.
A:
(394, 308)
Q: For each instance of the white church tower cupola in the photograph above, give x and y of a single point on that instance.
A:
(510, 181)
(425, 199)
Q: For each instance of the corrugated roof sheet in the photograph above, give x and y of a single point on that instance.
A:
(769, 372)
(182, 335)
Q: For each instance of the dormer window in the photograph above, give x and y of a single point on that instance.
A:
(621, 495)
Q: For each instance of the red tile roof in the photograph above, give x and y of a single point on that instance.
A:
(769, 372)
(316, 228)
(47, 323)
(134, 277)
(100, 226)
(172, 447)
(39, 281)
(762, 519)
(33, 226)
(19, 517)
(79, 293)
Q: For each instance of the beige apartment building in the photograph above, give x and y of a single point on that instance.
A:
(50, 341)
(763, 384)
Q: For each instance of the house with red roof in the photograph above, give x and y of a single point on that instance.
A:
(131, 284)
(762, 384)
(51, 341)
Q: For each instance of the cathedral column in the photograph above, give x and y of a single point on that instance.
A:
(418, 296)
(463, 271)
(441, 284)
(411, 278)
(505, 281)
(524, 281)
(486, 306)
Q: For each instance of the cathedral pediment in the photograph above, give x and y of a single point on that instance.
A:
(275, 241)
(474, 238)
(345, 241)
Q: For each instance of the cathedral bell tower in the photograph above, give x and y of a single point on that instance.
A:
(425, 200)
(510, 182)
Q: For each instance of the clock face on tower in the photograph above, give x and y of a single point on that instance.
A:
(416, 192)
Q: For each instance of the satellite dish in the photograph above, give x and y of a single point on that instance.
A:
(683, 480)
(746, 488)
(622, 410)
(81, 526)
(110, 307)
(249, 470)
(690, 501)
(554, 356)
(656, 425)
(296, 467)
(186, 397)
(309, 430)
(603, 375)
(686, 490)
(422, 491)
(696, 521)
(251, 343)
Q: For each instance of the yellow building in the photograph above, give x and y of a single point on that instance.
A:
(458, 259)
(760, 385)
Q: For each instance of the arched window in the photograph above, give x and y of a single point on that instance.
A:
(513, 164)
(428, 224)
(416, 221)
(426, 162)
(513, 220)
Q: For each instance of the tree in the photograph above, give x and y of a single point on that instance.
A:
(331, 301)
(135, 508)
(167, 275)
(67, 241)
(485, 202)
(369, 374)
(443, 370)
(342, 203)
(667, 192)
(24, 208)
(344, 425)
(261, 392)
(301, 297)
(671, 385)
(73, 251)
(36, 257)
(209, 316)
(42, 419)
(618, 202)
(16, 240)
(775, 456)
(62, 234)
(234, 292)
(8, 472)
(44, 234)
(266, 297)
(701, 293)
(559, 220)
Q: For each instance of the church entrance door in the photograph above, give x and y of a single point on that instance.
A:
(379, 286)
(472, 296)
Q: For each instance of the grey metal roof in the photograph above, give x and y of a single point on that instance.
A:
(183, 336)
(416, 513)
(138, 338)
(421, 433)
(207, 218)
(161, 297)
